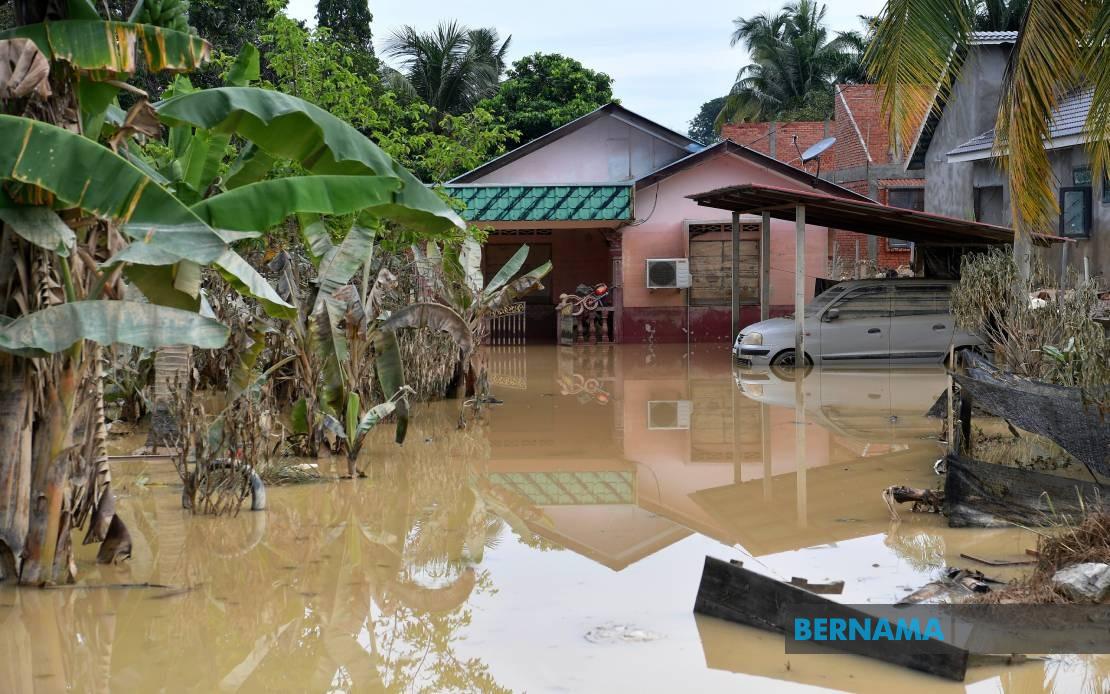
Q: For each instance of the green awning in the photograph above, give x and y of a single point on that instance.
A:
(544, 203)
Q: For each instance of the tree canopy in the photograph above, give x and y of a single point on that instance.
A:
(701, 127)
(451, 68)
(795, 65)
(545, 90)
(349, 23)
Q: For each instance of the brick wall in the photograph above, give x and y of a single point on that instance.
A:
(777, 139)
(860, 130)
(860, 123)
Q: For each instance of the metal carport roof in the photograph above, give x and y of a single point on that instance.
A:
(863, 216)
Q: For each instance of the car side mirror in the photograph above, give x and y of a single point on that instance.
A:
(831, 314)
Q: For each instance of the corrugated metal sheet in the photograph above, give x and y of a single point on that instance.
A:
(979, 37)
(544, 203)
(1067, 120)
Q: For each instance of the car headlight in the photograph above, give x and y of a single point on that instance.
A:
(752, 339)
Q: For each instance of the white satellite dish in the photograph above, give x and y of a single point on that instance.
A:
(814, 151)
(817, 149)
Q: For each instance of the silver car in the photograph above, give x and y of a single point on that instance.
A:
(888, 321)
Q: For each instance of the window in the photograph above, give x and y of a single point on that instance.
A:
(1081, 176)
(921, 299)
(865, 302)
(989, 207)
(907, 198)
(711, 265)
(1075, 211)
(1106, 188)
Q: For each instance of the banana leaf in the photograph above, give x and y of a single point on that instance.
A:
(40, 226)
(260, 206)
(507, 271)
(291, 128)
(433, 317)
(56, 328)
(251, 165)
(521, 286)
(80, 173)
(245, 69)
(107, 50)
(159, 284)
(343, 261)
(316, 237)
(470, 259)
(391, 375)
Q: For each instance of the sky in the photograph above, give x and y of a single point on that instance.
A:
(666, 58)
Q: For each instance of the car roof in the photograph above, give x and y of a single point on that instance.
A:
(891, 280)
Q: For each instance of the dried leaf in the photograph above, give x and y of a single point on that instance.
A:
(23, 69)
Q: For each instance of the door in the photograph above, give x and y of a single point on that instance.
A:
(861, 328)
(921, 325)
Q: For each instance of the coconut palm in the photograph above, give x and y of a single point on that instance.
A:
(451, 68)
(794, 65)
(1061, 47)
(999, 15)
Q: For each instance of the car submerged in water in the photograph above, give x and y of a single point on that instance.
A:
(884, 321)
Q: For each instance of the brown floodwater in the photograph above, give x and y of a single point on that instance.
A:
(555, 545)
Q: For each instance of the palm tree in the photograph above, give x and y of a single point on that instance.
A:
(1061, 47)
(794, 64)
(999, 15)
(451, 68)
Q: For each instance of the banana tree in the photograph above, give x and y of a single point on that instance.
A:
(340, 333)
(452, 276)
(81, 217)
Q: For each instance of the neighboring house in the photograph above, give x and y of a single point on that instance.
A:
(863, 160)
(606, 193)
(1084, 202)
(965, 180)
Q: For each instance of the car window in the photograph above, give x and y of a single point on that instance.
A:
(823, 299)
(865, 302)
(921, 299)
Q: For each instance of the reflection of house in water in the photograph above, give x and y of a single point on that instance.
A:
(629, 449)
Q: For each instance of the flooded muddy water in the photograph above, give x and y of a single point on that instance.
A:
(555, 546)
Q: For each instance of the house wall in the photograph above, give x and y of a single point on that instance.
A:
(970, 111)
(660, 315)
(1096, 248)
(607, 150)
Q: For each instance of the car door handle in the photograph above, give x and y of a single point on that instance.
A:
(939, 326)
(872, 331)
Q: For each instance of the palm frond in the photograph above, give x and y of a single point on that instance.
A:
(913, 58)
(1096, 66)
(1045, 65)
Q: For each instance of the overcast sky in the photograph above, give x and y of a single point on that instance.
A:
(666, 58)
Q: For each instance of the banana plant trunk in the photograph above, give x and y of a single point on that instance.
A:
(15, 464)
(172, 367)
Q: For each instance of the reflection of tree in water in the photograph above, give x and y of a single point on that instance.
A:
(922, 549)
(352, 585)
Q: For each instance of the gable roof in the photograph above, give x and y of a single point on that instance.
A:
(615, 110)
(1065, 130)
(738, 150)
(916, 157)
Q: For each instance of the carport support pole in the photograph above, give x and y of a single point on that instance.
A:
(735, 275)
(799, 284)
(800, 462)
(765, 267)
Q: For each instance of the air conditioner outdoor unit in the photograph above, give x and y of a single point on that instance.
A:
(669, 414)
(668, 273)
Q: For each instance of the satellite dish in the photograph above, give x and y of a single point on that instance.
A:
(817, 149)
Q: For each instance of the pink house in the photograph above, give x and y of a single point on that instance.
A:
(607, 194)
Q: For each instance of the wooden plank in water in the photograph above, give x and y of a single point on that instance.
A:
(731, 592)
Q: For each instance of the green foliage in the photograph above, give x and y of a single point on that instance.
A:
(451, 68)
(229, 26)
(1051, 339)
(702, 126)
(349, 24)
(545, 90)
(794, 65)
(307, 64)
